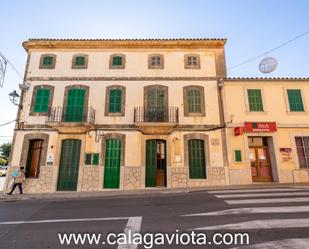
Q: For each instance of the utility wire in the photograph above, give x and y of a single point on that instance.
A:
(8, 123)
(13, 67)
(271, 50)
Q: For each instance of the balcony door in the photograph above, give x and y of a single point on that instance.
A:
(156, 104)
(75, 105)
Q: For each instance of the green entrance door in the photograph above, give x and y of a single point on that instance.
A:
(155, 163)
(112, 163)
(75, 105)
(69, 165)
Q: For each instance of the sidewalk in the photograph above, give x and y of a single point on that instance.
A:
(142, 192)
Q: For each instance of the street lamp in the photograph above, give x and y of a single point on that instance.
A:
(14, 96)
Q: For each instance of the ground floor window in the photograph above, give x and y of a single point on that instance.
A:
(302, 146)
(197, 166)
(33, 158)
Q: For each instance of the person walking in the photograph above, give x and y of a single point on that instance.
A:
(19, 177)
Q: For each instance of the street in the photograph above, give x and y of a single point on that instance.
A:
(273, 217)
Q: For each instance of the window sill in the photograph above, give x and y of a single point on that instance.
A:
(257, 113)
(297, 113)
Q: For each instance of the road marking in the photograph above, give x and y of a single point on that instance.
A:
(261, 224)
(255, 210)
(60, 220)
(261, 195)
(270, 200)
(254, 190)
(279, 244)
(133, 226)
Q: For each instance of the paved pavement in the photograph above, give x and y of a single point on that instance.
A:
(274, 217)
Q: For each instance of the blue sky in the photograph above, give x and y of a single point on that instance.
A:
(251, 27)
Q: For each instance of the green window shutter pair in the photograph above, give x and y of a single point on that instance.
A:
(115, 100)
(197, 166)
(117, 61)
(75, 105)
(79, 61)
(255, 100)
(41, 100)
(92, 159)
(295, 100)
(237, 156)
(47, 60)
(194, 101)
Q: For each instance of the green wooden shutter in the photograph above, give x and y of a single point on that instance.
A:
(150, 163)
(79, 61)
(112, 163)
(75, 105)
(69, 165)
(295, 100)
(237, 156)
(197, 167)
(255, 100)
(41, 100)
(194, 101)
(95, 159)
(115, 100)
(48, 60)
(117, 61)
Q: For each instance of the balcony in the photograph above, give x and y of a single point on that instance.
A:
(73, 119)
(156, 120)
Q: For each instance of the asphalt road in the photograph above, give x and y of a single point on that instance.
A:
(273, 218)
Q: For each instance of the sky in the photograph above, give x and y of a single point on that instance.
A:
(252, 27)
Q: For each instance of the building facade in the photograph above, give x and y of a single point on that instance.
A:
(121, 114)
(135, 114)
(267, 126)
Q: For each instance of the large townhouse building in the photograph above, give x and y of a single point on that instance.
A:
(267, 129)
(121, 114)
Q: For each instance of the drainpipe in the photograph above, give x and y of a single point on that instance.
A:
(220, 85)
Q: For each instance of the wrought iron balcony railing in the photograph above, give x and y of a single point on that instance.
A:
(156, 114)
(71, 114)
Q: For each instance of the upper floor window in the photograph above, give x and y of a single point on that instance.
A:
(192, 61)
(41, 100)
(155, 61)
(115, 101)
(47, 61)
(255, 100)
(295, 100)
(117, 61)
(194, 103)
(80, 61)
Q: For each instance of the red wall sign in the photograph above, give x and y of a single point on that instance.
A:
(260, 127)
(238, 131)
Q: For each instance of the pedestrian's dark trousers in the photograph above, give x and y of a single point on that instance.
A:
(19, 186)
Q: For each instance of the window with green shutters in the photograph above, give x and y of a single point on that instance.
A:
(79, 61)
(295, 100)
(194, 101)
(237, 156)
(255, 100)
(41, 100)
(115, 100)
(92, 159)
(197, 166)
(48, 61)
(117, 61)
